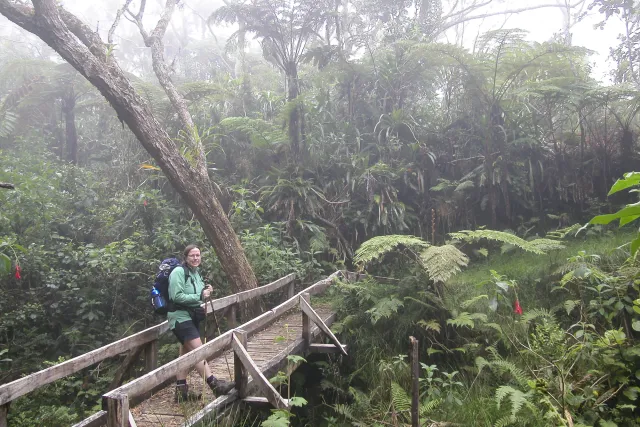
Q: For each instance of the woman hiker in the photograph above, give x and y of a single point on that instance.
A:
(187, 291)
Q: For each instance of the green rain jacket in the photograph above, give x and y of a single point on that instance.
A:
(186, 294)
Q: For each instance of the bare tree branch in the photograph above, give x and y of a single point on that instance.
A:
(117, 20)
(154, 41)
(465, 18)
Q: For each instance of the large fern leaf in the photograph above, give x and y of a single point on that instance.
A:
(517, 398)
(427, 407)
(442, 262)
(377, 247)
(400, 398)
(537, 246)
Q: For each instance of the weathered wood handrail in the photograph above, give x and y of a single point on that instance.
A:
(22, 386)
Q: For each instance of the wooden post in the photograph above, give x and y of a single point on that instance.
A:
(306, 322)
(290, 290)
(415, 382)
(4, 412)
(151, 356)
(118, 411)
(233, 313)
(240, 373)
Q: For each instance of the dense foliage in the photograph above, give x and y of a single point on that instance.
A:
(354, 127)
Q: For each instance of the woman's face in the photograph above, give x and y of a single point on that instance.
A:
(193, 258)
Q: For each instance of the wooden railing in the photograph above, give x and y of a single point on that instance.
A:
(116, 406)
(145, 341)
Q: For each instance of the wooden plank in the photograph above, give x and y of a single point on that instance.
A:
(117, 410)
(151, 356)
(254, 400)
(214, 407)
(291, 289)
(325, 348)
(98, 419)
(146, 382)
(240, 374)
(415, 382)
(132, 421)
(306, 308)
(224, 302)
(306, 323)
(4, 413)
(274, 397)
(233, 316)
(22, 386)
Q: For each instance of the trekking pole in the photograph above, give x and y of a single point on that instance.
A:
(204, 371)
(215, 320)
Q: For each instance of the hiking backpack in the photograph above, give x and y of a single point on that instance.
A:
(160, 290)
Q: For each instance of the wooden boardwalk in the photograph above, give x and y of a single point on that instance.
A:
(268, 348)
(250, 353)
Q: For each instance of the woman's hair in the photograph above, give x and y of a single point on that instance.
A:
(188, 249)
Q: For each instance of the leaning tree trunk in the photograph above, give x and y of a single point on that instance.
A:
(85, 51)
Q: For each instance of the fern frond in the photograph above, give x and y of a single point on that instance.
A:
(537, 246)
(427, 407)
(564, 232)
(345, 411)
(400, 399)
(501, 367)
(545, 245)
(517, 398)
(430, 325)
(468, 303)
(379, 246)
(537, 313)
(442, 262)
(465, 319)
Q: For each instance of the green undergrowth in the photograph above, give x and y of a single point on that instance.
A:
(536, 273)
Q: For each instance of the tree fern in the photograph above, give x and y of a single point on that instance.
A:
(442, 262)
(377, 247)
(537, 246)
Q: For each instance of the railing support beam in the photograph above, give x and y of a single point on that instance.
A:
(240, 374)
(4, 413)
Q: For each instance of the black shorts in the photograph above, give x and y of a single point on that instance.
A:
(186, 331)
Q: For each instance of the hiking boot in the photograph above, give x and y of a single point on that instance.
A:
(182, 394)
(221, 387)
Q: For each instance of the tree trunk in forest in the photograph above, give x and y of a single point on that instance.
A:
(241, 67)
(86, 52)
(296, 114)
(68, 109)
(626, 149)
